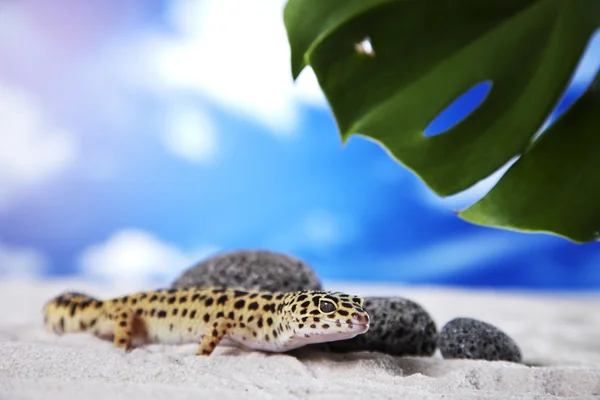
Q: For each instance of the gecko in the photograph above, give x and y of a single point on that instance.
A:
(251, 320)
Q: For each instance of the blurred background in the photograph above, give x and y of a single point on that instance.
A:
(140, 136)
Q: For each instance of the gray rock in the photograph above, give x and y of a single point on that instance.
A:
(399, 327)
(253, 270)
(474, 339)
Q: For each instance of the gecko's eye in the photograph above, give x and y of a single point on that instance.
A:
(326, 307)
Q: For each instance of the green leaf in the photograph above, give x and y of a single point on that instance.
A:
(555, 187)
(426, 54)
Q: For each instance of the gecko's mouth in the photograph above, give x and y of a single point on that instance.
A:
(343, 323)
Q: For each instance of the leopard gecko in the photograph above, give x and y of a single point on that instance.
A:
(253, 320)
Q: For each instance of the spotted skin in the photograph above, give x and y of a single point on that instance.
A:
(253, 320)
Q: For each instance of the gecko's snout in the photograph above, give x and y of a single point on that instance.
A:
(359, 322)
(360, 319)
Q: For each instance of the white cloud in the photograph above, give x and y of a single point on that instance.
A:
(137, 255)
(31, 151)
(237, 53)
(190, 134)
(22, 262)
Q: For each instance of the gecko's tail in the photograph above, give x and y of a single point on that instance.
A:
(71, 312)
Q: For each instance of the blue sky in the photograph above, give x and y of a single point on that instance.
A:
(141, 136)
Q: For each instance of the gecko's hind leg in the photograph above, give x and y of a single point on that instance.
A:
(122, 319)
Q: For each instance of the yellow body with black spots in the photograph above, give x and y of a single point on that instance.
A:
(254, 320)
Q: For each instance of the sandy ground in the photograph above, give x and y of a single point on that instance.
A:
(559, 335)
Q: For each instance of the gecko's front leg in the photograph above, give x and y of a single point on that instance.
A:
(214, 335)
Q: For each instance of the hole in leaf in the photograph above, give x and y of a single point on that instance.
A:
(365, 47)
(459, 109)
(583, 76)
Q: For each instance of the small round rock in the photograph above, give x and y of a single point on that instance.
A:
(252, 270)
(469, 338)
(398, 327)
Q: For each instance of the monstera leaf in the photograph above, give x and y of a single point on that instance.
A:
(426, 53)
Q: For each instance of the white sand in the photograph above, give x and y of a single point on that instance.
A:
(560, 333)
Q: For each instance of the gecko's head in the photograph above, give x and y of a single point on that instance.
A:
(326, 316)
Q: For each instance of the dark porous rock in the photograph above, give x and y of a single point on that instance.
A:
(398, 327)
(473, 339)
(252, 270)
